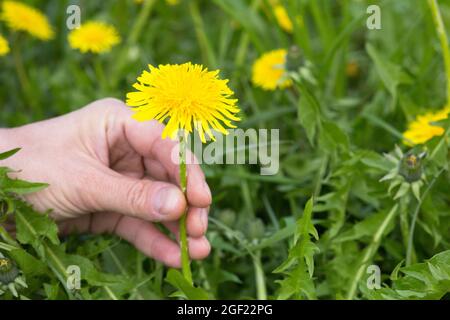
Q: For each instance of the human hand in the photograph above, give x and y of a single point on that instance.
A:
(108, 173)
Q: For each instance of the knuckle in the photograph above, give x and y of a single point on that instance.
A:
(86, 188)
(137, 196)
(106, 104)
(154, 244)
(111, 102)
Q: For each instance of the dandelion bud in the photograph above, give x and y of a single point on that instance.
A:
(8, 271)
(411, 166)
(256, 229)
(294, 59)
(227, 217)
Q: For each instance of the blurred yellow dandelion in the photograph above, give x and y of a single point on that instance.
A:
(173, 2)
(190, 95)
(422, 128)
(4, 47)
(283, 18)
(21, 17)
(269, 71)
(93, 36)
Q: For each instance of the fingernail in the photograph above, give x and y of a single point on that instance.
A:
(204, 219)
(166, 200)
(206, 189)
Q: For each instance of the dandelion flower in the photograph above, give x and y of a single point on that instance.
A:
(172, 2)
(4, 47)
(21, 17)
(283, 18)
(190, 95)
(269, 71)
(93, 36)
(422, 128)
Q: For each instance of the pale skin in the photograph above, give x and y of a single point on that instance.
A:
(108, 173)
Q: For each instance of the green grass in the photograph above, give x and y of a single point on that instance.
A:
(334, 134)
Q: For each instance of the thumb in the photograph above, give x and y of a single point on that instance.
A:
(143, 199)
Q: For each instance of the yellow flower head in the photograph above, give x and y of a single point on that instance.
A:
(422, 129)
(21, 17)
(269, 70)
(283, 18)
(93, 36)
(4, 47)
(188, 94)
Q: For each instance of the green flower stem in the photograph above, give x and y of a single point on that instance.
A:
(260, 279)
(20, 69)
(242, 48)
(132, 39)
(405, 231)
(110, 293)
(52, 260)
(204, 276)
(22, 74)
(140, 22)
(123, 271)
(440, 29)
(370, 252)
(202, 38)
(321, 176)
(49, 256)
(100, 74)
(410, 247)
(185, 263)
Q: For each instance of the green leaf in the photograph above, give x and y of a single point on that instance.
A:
(308, 113)
(8, 154)
(415, 187)
(364, 228)
(32, 227)
(394, 273)
(296, 283)
(332, 137)
(369, 252)
(21, 187)
(58, 258)
(375, 160)
(427, 280)
(391, 74)
(298, 268)
(30, 265)
(403, 190)
(52, 290)
(439, 152)
(176, 279)
(276, 237)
